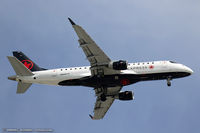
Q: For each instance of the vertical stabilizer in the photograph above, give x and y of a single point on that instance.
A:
(32, 66)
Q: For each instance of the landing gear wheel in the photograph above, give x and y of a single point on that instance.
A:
(169, 82)
(103, 97)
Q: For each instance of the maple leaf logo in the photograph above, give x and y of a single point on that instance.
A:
(28, 64)
(125, 82)
(151, 67)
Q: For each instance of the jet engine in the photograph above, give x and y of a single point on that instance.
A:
(118, 65)
(127, 95)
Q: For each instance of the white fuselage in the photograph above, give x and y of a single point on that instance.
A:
(54, 76)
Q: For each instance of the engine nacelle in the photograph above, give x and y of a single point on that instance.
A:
(127, 95)
(118, 65)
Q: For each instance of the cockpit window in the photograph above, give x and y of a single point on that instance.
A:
(172, 61)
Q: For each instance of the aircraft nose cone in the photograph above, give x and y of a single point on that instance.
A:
(189, 70)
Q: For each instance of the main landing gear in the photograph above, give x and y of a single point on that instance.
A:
(103, 97)
(169, 81)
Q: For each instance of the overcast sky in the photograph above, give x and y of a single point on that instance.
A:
(133, 30)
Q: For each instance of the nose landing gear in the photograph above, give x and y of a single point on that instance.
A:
(169, 81)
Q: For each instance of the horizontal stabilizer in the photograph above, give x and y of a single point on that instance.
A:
(19, 68)
(22, 87)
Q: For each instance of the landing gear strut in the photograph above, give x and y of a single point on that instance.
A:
(169, 81)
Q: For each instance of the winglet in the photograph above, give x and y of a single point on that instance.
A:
(91, 117)
(72, 22)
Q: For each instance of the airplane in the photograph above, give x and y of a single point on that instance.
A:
(106, 76)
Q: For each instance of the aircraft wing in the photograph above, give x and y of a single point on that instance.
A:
(101, 107)
(94, 54)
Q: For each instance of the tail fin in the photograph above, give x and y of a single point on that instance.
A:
(20, 70)
(26, 61)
